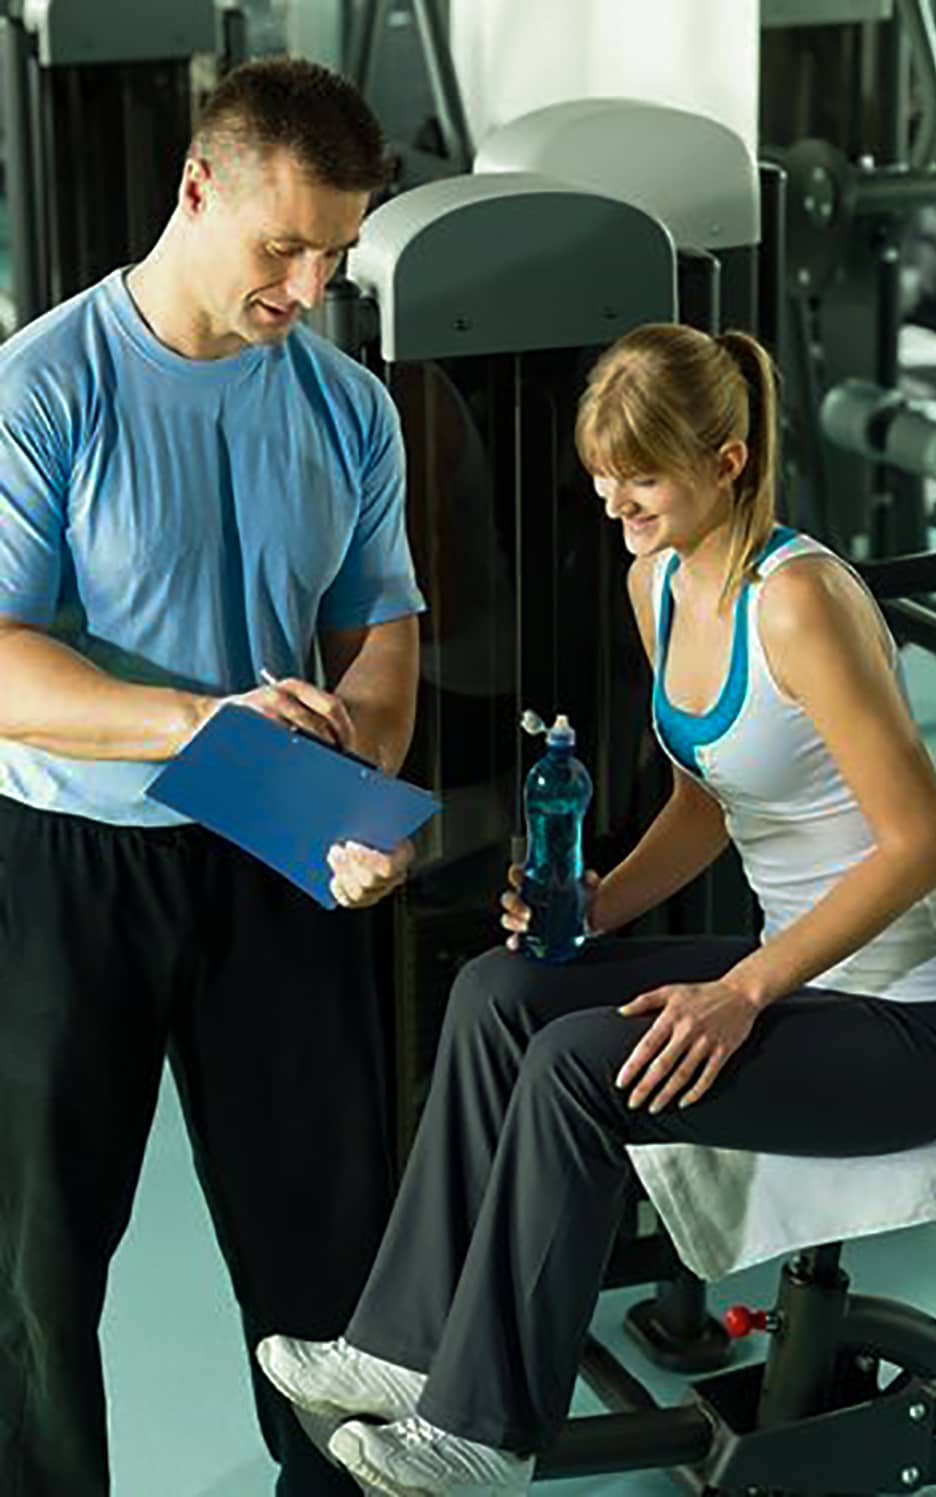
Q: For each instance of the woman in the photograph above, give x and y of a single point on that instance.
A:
(777, 699)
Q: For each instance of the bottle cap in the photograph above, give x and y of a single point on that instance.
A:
(532, 723)
(561, 734)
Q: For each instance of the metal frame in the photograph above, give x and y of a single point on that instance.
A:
(920, 28)
(443, 80)
(811, 1417)
(30, 274)
(776, 13)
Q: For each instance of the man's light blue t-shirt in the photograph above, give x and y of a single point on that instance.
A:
(187, 522)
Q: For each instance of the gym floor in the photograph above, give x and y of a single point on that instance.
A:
(181, 1416)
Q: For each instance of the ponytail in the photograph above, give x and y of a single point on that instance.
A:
(755, 488)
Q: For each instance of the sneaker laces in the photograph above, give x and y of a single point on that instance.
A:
(417, 1431)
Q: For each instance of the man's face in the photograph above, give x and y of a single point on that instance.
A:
(269, 239)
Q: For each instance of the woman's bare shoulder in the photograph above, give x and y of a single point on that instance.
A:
(813, 600)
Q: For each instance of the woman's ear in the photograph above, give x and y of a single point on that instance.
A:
(732, 460)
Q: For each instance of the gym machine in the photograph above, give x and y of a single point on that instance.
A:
(819, 1418)
(97, 118)
(696, 175)
(856, 173)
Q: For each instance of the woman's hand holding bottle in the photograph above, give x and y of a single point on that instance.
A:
(516, 915)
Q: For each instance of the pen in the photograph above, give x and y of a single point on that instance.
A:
(333, 741)
(268, 679)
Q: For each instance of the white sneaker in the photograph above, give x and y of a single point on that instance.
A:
(329, 1380)
(413, 1458)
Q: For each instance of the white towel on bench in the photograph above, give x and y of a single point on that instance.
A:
(728, 1208)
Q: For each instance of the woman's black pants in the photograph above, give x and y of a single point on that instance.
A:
(116, 946)
(490, 1268)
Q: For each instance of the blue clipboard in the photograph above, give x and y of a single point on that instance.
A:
(287, 797)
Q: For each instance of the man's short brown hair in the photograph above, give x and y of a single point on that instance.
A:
(288, 103)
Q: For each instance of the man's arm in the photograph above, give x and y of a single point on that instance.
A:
(374, 671)
(52, 698)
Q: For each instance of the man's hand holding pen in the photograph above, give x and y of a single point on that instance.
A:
(362, 876)
(301, 705)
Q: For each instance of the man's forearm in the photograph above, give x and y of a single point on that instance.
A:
(52, 698)
(375, 673)
(382, 734)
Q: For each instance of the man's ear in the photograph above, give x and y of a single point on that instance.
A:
(193, 191)
(732, 459)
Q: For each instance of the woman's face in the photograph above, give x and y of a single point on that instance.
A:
(658, 512)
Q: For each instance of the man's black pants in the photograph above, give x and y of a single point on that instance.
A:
(489, 1271)
(116, 946)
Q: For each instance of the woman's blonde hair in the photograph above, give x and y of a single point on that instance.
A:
(665, 399)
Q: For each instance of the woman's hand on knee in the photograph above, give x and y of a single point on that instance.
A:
(698, 1027)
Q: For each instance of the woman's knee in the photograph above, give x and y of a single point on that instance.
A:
(582, 1051)
(490, 988)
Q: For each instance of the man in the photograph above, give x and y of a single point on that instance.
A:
(194, 489)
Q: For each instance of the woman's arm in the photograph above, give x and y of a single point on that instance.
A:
(825, 647)
(686, 836)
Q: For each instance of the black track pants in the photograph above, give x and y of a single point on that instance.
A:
(116, 945)
(489, 1271)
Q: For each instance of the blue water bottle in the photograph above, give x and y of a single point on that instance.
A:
(556, 796)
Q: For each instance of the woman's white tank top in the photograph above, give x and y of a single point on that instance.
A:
(789, 812)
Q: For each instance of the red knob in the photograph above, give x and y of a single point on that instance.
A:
(740, 1321)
